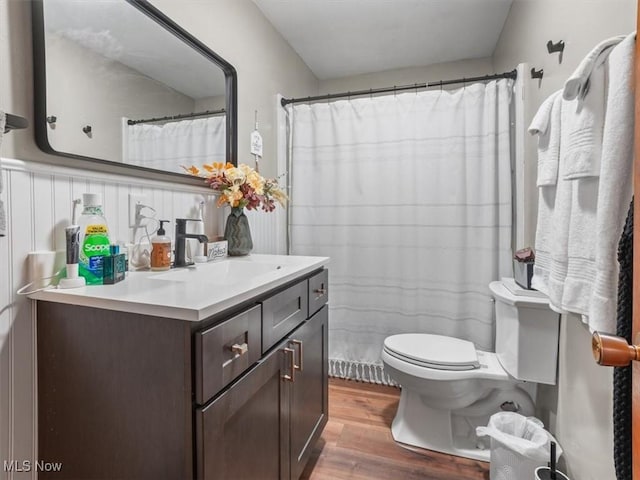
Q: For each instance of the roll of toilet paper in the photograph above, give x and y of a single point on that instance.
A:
(44, 264)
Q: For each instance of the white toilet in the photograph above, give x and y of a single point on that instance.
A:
(449, 388)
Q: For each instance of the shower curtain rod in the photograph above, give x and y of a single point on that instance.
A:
(206, 113)
(513, 74)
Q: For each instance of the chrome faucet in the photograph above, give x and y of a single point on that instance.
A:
(181, 236)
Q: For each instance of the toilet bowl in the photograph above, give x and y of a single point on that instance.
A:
(449, 387)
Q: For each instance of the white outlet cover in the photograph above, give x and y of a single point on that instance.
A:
(134, 199)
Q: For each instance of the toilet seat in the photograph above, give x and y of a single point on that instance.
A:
(433, 351)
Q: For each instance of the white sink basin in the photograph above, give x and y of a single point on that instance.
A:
(224, 272)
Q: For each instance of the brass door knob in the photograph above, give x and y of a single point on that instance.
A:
(612, 351)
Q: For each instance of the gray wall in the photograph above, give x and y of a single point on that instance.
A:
(266, 65)
(579, 409)
(89, 89)
(408, 76)
(38, 196)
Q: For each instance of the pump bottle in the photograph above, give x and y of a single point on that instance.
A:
(161, 249)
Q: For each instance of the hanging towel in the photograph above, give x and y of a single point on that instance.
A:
(543, 243)
(578, 83)
(615, 183)
(3, 217)
(546, 124)
(570, 262)
(583, 131)
(558, 225)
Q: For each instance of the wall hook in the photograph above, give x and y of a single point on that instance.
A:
(555, 47)
(87, 129)
(52, 119)
(537, 73)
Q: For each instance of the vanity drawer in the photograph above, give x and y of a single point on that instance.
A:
(225, 351)
(318, 291)
(283, 312)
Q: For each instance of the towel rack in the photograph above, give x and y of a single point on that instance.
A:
(15, 122)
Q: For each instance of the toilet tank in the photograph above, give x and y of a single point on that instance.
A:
(527, 332)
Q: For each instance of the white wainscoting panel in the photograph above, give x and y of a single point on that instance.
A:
(38, 199)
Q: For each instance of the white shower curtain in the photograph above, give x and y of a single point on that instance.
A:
(167, 147)
(410, 196)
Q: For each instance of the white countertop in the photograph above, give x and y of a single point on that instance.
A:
(190, 293)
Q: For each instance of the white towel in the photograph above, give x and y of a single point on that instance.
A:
(558, 221)
(583, 132)
(578, 83)
(566, 264)
(546, 124)
(616, 186)
(3, 217)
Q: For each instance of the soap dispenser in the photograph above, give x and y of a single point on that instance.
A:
(161, 249)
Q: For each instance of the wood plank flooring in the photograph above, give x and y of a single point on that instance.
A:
(357, 442)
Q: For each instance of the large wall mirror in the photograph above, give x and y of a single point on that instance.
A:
(119, 82)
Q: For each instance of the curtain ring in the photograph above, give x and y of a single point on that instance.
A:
(441, 86)
(394, 91)
(371, 93)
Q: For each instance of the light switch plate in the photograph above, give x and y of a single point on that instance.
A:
(134, 199)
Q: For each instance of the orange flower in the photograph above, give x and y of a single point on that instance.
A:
(192, 170)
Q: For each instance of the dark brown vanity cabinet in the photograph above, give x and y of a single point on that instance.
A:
(269, 421)
(131, 396)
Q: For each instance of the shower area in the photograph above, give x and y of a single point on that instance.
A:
(409, 191)
(167, 143)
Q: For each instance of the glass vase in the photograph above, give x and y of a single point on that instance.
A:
(237, 233)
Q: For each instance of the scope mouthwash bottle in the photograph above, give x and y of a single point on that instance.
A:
(94, 239)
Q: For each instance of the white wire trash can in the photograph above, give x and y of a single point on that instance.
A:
(519, 445)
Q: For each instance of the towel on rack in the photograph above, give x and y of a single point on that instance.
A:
(546, 125)
(578, 84)
(558, 221)
(616, 186)
(565, 244)
(583, 131)
(3, 217)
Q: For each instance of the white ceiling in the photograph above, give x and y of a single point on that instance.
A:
(338, 38)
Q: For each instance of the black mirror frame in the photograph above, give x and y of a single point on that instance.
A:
(144, 6)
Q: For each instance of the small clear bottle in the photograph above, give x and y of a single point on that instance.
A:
(94, 239)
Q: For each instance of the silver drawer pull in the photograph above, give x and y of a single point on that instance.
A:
(292, 365)
(300, 355)
(240, 348)
(320, 291)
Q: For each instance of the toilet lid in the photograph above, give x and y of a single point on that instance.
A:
(433, 351)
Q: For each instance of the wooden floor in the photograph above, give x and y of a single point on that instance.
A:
(357, 442)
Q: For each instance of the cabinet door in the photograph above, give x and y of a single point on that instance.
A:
(309, 392)
(244, 433)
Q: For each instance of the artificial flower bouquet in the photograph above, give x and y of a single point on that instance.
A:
(241, 186)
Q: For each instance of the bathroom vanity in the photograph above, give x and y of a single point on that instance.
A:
(215, 372)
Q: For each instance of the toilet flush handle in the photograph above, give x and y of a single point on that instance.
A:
(612, 351)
